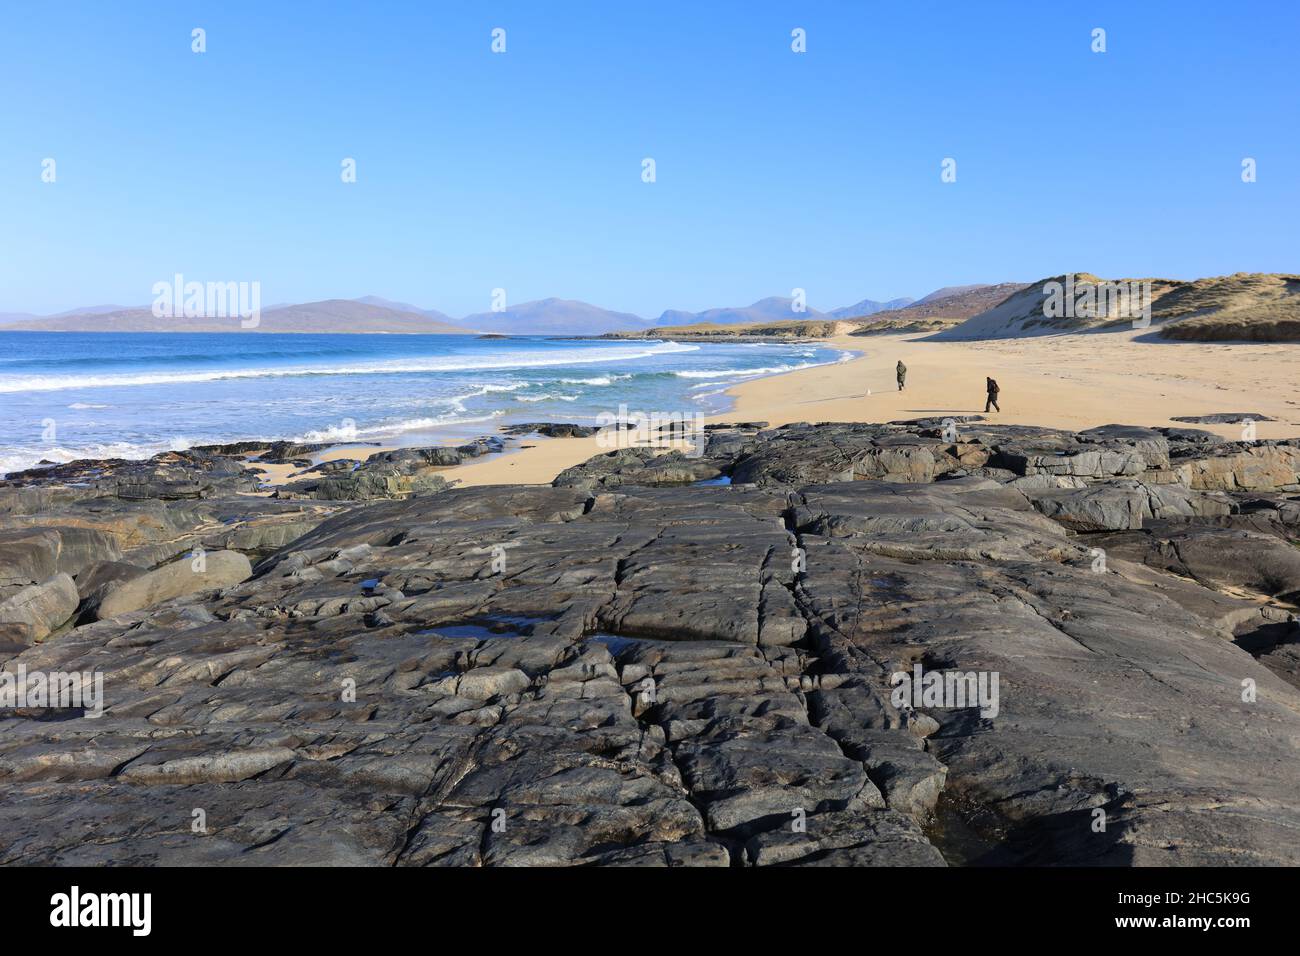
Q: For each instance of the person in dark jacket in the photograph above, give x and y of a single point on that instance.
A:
(901, 372)
(993, 395)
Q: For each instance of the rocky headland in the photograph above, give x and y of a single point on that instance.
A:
(664, 658)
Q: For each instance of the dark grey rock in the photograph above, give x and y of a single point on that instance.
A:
(1222, 418)
(551, 429)
(34, 612)
(625, 669)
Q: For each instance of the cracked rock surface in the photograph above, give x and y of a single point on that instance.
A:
(640, 666)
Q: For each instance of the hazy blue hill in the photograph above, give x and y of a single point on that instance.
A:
(770, 309)
(9, 318)
(553, 317)
(949, 291)
(405, 307)
(869, 307)
(329, 315)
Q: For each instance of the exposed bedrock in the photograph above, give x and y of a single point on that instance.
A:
(642, 666)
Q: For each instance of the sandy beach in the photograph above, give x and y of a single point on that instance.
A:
(1066, 381)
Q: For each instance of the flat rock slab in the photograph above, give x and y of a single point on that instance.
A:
(203, 572)
(626, 670)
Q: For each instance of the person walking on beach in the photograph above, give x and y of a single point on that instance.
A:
(993, 395)
(901, 372)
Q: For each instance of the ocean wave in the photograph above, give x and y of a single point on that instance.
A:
(597, 380)
(746, 372)
(257, 351)
(11, 383)
(742, 373)
(548, 397)
(14, 459)
(349, 432)
(457, 402)
(20, 459)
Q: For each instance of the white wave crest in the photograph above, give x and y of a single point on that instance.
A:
(349, 432)
(577, 356)
(597, 380)
(20, 459)
(746, 372)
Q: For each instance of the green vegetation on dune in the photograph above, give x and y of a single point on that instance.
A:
(1256, 307)
(1260, 307)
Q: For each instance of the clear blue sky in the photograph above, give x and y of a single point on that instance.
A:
(775, 170)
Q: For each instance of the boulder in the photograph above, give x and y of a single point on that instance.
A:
(28, 555)
(97, 581)
(1237, 466)
(1121, 505)
(216, 570)
(39, 609)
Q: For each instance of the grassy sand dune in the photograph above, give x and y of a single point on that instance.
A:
(1261, 307)
(1247, 306)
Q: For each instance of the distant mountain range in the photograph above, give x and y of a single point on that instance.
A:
(1244, 306)
(764, 310)
(331, 315)
(871, 307)
(8, 318)
(553, 317)
(405, 307)
(376, 314)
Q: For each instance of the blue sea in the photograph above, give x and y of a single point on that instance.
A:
(70, 395)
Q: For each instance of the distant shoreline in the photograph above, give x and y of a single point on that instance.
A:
(226, 331)
(716, 339)
(1073, 381)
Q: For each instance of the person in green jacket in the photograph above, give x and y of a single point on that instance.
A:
(901, 372)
